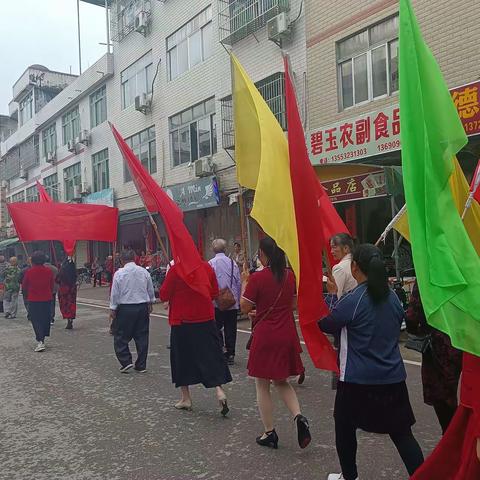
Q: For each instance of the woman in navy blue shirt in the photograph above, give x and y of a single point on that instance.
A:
(372, 394)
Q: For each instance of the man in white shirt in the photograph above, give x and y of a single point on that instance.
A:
(131, 302)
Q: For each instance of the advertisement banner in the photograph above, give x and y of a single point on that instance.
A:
(103, 197)
(195, 195)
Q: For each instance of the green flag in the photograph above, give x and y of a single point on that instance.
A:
(446, 264)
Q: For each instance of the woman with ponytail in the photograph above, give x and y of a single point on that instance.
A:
(372, 394)
(275, 348)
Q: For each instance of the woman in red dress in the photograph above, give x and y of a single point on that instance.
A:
(67, 292)
(275, 346)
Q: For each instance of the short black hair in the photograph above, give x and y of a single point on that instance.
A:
(38, 258)
(128, 256)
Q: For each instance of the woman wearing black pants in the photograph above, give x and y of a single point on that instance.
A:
(372, 394)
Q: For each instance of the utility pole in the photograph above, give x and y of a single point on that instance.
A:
(79, 42)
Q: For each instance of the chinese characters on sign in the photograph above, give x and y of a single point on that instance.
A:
(356, 187)
(379, 132)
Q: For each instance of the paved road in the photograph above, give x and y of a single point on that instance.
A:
(69, 414)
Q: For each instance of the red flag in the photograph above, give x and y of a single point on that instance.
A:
(317, 220)
(43, 194)
(475, 185)
(189, 264)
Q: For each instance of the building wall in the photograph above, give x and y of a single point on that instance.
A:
(450, 29)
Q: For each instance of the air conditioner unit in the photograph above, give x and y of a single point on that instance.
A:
(141, 22)
(72, 146)
(83, 137)
(85, 190)
(143, 102)
(203, 167)
(278, 27)
(77, 192)
(23, 173)
(51, 156)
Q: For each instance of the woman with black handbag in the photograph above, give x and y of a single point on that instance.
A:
(274, 346)
(441, 363)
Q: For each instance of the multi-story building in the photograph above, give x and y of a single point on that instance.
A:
(352, 64)
(167, 88)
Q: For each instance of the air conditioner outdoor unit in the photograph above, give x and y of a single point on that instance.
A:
(203, 167)
(77, 192)
(23, 173)
(85, 190)
(72, 146)
(141, 22)
(278, 27)
(51, 156)
(143, 102)
(83, 137)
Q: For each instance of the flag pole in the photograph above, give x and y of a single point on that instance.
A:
(467, 205)
(390, 225)
(157, 233)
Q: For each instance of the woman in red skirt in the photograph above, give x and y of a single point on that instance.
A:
(67, 292)
(275, 346)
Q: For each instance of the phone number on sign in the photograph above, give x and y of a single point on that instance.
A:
(345, 156)
(388, 145)
(471, 127)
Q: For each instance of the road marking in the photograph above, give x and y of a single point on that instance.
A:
(159, 315)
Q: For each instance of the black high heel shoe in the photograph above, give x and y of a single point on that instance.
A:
(271, 440)
(303, 431)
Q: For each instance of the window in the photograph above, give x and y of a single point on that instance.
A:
(144, 146)
(191, 44)
(72, 177)
(368, 64)
(137, 79)
(193, 133)
(52, 186)
(98, 107)
(100, 170)
(49, 139)
(26, 108)
(70, 125)
(18, 197)
(32, 194)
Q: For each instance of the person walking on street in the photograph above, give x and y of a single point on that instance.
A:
(195, 352)
(131, 301)
(238, 256)
(12, 288)
(67, 291)
(38, 283)
(275, 346)
(109, 269)
(3, 267)
(54, 270)
(229, 284)
(97, 270)
(372, 394)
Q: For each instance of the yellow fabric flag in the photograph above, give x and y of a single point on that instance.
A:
(460, 191)
(263, 164)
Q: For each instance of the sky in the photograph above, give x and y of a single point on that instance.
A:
(45, 32)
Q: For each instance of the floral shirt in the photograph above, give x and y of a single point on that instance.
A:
(12, 278)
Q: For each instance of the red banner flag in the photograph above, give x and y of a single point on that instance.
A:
(185, 255)
(317, 221)
(64, 221)
(43, 194)
(475, 185)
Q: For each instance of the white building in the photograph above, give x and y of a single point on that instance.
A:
(167, 88)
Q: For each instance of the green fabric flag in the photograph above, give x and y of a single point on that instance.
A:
(446, 264)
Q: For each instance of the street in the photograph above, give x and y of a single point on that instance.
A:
(69, 414)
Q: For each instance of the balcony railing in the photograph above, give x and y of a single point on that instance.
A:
(272, 90)
(238, 19)
(124, 13)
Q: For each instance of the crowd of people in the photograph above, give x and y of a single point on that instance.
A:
(365, 320)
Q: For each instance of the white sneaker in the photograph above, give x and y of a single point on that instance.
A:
(40, 347)
(337, 476)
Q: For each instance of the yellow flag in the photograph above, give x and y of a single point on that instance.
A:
(263, 164)
(460, 192)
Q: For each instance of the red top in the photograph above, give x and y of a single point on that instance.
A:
(186, 304)
(38, 282)
(470, 386)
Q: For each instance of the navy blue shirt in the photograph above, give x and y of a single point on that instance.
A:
(369, 353)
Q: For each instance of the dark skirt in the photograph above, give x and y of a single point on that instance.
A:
(39, 314)
(196, 355)
(375, 408)
(67, 299)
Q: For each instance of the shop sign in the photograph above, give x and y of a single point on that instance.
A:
(378, 132)
(356, 187)
(103, 197)
(195, 195)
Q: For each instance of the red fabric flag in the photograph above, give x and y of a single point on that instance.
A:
(68, 245)
(189, 264)
(64, 221)
(317, 220)
(475, 185)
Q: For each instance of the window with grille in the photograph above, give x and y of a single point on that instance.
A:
(368, 64)
(98, 107)
(32, 194)
(144, 146)
(52, 186)
(49, 140)
(18, 197)
(72, 177)
(101, 178)
(70, 125)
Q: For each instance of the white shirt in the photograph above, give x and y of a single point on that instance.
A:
(342, 273)
(131, 285)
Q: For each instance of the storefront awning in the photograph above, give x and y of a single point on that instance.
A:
(9, 241)
(132, 215)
